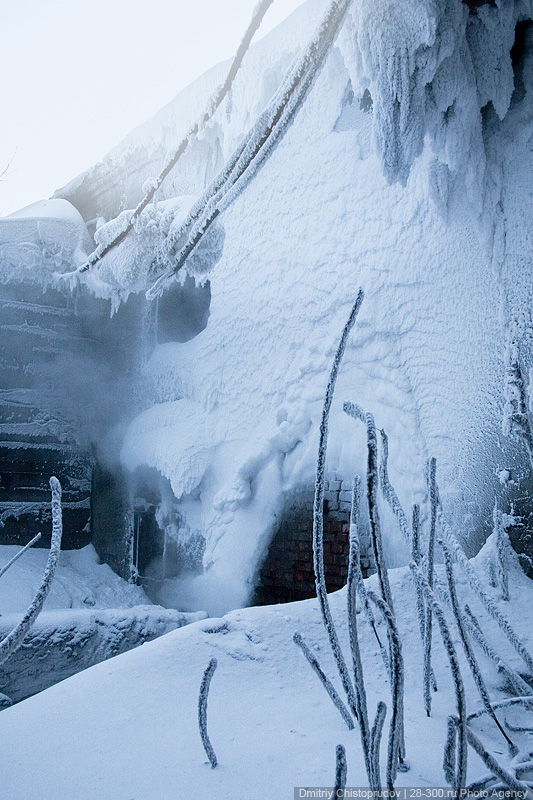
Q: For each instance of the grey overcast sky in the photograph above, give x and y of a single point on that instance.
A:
(78, 75)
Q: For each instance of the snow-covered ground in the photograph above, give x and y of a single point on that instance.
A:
(127, 729)
(89, 616)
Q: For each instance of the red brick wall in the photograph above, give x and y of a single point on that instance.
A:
(287, 571)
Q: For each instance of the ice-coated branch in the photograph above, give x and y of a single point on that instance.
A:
(460, 556)
(394, 752)
(467, 647)
(257, 145)
(507, 703)
(318, 512)
(19, 554)
(460, 778)
(341, 770)
(375, 742)
(194, 130)
(202, 711)
(515, 680)
(389, 491)
(496, 769)
(14, 639)
(326, 683)
(354, 572)
(429, 677)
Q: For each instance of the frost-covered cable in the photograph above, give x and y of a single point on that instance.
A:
(394, 750)
(257, 145)
(326, 683)
(460, 778)
(375, 742)
(460, 556)
(501, 549)
(19, 554)
(194, 130)
(496, 768)
(467, 647)
(14, 639)
(429, 678)
(318, 511)
(516, 681)
(341, 771)
(354, 571)
(389, 491)
(202, 711)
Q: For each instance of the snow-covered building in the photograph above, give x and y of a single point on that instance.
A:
(362, 144)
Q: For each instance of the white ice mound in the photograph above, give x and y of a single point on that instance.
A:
(43, 238)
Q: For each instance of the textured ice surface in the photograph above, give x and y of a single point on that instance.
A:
(406, 172)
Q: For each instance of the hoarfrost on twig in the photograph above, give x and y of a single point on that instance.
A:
(375, 740)
(318, 512)
(394, 752)
(14, 639)
(470, 656)
(341, 770)
(460, 778)
(202, 711)
(328, 686)
(496, 768)
(19, 554)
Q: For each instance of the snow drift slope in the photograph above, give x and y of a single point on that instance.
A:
(128, 728)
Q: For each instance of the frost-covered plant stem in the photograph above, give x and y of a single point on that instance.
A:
(474, 581)
(19, 554)
(318, 512)
(375, 742)
(257, 145)
(328, 686)
(506, 777)
(394, 752)
(14, 639)
(353, 580)
(429, 678)
(474, 628)
(202, 711)
(193, 131)
(449, 760)
(460, 780)
(420, 606)
(341, 770)
(470, 656)
(372, 497)
(389, 491)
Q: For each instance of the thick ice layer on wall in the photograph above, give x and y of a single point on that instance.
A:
(440, 252)
(44, 238)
